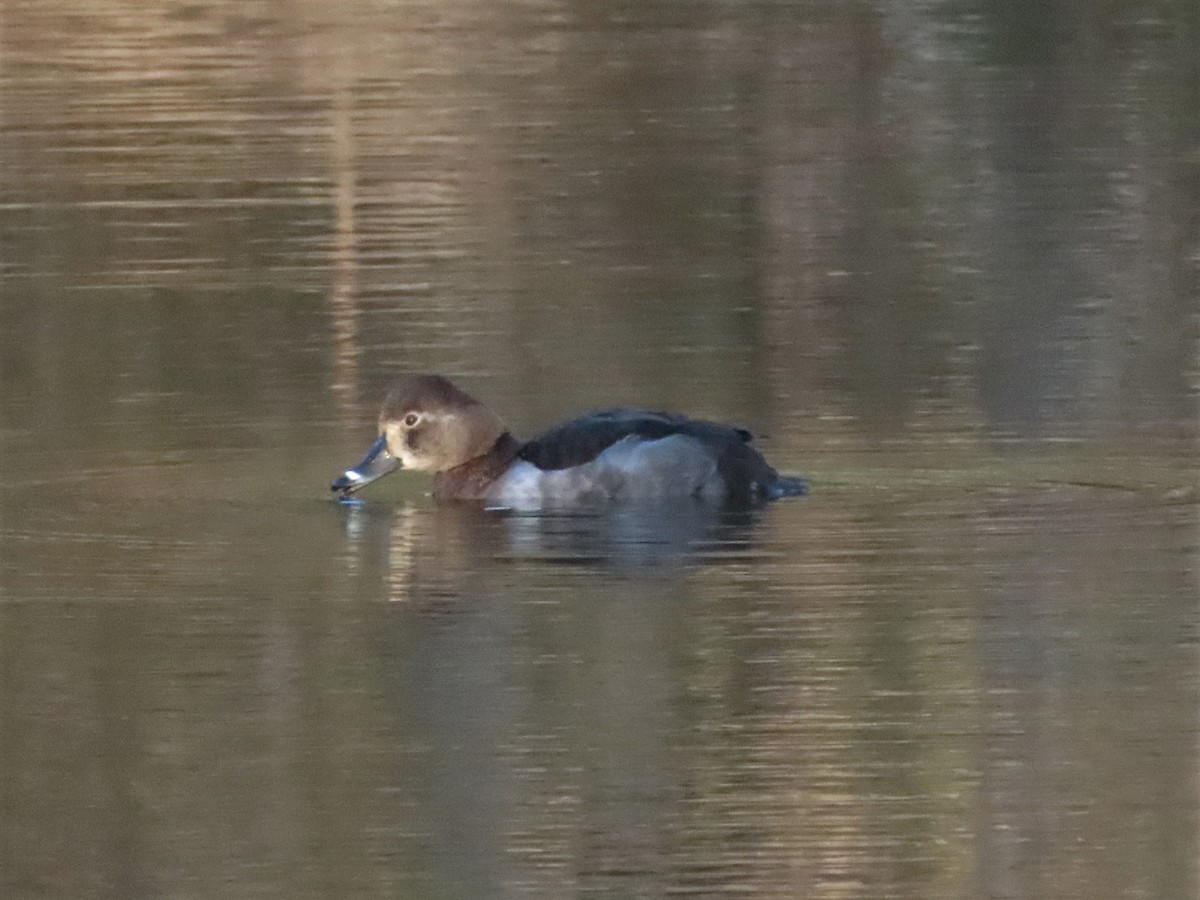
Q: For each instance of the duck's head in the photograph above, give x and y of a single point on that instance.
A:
(428, 425)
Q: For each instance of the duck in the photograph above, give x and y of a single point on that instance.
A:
(429, 424)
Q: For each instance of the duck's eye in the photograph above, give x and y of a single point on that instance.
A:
(411, 419)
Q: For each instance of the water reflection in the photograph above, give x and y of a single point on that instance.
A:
(941, 256)
(408, 548)
(922, 694)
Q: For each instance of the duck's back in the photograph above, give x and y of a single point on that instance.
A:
(637, 454)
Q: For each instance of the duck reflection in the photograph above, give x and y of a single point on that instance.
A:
(422, 552)
(524, 650)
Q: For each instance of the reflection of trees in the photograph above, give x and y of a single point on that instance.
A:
(862, 225)
(934, 696)
(843, 212)
(991, 216)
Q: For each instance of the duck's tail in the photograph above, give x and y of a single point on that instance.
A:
(787, 486)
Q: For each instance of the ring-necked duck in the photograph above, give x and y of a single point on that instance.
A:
(431, 425)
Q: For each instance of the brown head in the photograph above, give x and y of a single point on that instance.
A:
(432, 426)
(429, 425)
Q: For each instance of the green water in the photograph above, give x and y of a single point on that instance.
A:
(940, 257)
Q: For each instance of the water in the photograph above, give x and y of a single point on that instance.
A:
(942, 257)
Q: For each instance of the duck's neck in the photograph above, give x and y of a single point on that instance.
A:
(472, 479)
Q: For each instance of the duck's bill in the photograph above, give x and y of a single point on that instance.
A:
(377, 463)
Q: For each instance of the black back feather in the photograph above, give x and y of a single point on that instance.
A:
(581, 440)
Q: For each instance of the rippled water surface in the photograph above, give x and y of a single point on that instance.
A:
(941, 257)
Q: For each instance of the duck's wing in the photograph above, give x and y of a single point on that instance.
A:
(581, 440)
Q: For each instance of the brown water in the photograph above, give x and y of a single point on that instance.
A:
(942, 256)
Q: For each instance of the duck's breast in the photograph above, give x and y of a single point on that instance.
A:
(633, 468)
